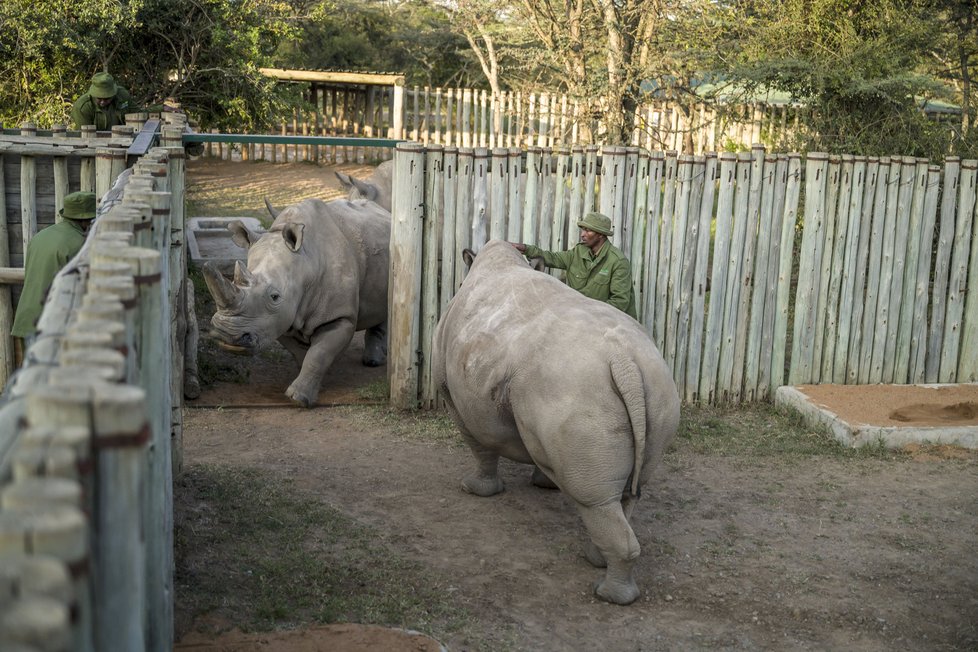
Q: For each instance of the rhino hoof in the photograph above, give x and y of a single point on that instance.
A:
(372, 362)
(616, 592)
(300, 397)
(191, 388)
(481, 486)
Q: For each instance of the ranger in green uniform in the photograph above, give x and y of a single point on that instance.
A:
(47, 253)
(595, 268)
(104, 105)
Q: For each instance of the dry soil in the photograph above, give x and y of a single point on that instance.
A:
(737, 553)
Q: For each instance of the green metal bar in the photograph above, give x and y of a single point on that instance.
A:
(290, 140)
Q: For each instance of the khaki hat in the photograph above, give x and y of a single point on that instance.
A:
(103, 86)
(79, 206)
(596, 222)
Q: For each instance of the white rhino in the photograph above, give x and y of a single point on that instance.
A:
(378, 187)
(534, 371)
(317, 275)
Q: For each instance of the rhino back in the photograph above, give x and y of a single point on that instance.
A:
(524, 343)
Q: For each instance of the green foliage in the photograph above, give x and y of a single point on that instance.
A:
(48, 49)
(412, 37)
(856, 66)
(204, 53)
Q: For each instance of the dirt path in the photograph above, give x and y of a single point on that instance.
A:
(737, 553)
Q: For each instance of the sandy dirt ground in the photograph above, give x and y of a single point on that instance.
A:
(737, 553)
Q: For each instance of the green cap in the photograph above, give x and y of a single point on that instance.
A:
(103, 86)
(79, 206)
(596, 222)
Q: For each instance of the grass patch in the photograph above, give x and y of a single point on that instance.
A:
(433, 426)
(254, 551)
(761, 430)
(378, 391)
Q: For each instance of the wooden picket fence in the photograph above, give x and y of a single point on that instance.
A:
(751, 270)
(90, 425)
(465, 117)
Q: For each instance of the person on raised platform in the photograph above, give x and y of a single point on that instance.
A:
(104, 105)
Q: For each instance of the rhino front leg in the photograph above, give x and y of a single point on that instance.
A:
(375, 346)
(327, 342)
(615, 541)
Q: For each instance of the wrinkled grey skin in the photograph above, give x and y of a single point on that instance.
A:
(318, 275)
(377, 187)
(538, 373)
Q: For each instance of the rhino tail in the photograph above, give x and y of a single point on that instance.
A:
(631, 387)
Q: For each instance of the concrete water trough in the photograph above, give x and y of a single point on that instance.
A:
(208, 239)
(891, 415)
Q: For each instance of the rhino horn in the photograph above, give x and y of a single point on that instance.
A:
(271, 209)
(242, 276)
(224, 292)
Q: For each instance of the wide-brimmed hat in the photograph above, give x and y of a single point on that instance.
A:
(103, 86)
(79, 206)
(596, 222)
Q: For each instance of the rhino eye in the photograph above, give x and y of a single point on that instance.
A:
(275, 296)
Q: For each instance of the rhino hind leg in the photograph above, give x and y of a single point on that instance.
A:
(375, 346)
(485, 481)
(613, 541)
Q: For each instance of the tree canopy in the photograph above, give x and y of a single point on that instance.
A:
(862, 68)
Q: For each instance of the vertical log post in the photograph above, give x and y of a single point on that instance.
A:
(6, 301)
(28, 190)
(405, 286)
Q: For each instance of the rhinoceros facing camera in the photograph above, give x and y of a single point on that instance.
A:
(318, 275)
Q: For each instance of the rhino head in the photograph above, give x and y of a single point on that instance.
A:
(259, 304)
(377, 188)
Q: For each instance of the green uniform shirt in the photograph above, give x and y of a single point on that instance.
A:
(87, 112)
(606, 276)
(47, 253)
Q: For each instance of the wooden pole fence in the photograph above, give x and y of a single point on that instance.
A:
(750, 270)
(100, 383)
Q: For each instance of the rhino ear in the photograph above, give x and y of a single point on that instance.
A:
(344, 179)
(367, 190)
(537, 264)
(241, 235)
(468, 256)
(292, 234)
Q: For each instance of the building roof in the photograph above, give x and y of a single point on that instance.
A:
(335, 76)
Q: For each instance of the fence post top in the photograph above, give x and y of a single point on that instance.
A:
(408, 146)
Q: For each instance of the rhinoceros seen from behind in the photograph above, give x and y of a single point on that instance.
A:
(534, 371)
(318, 275)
